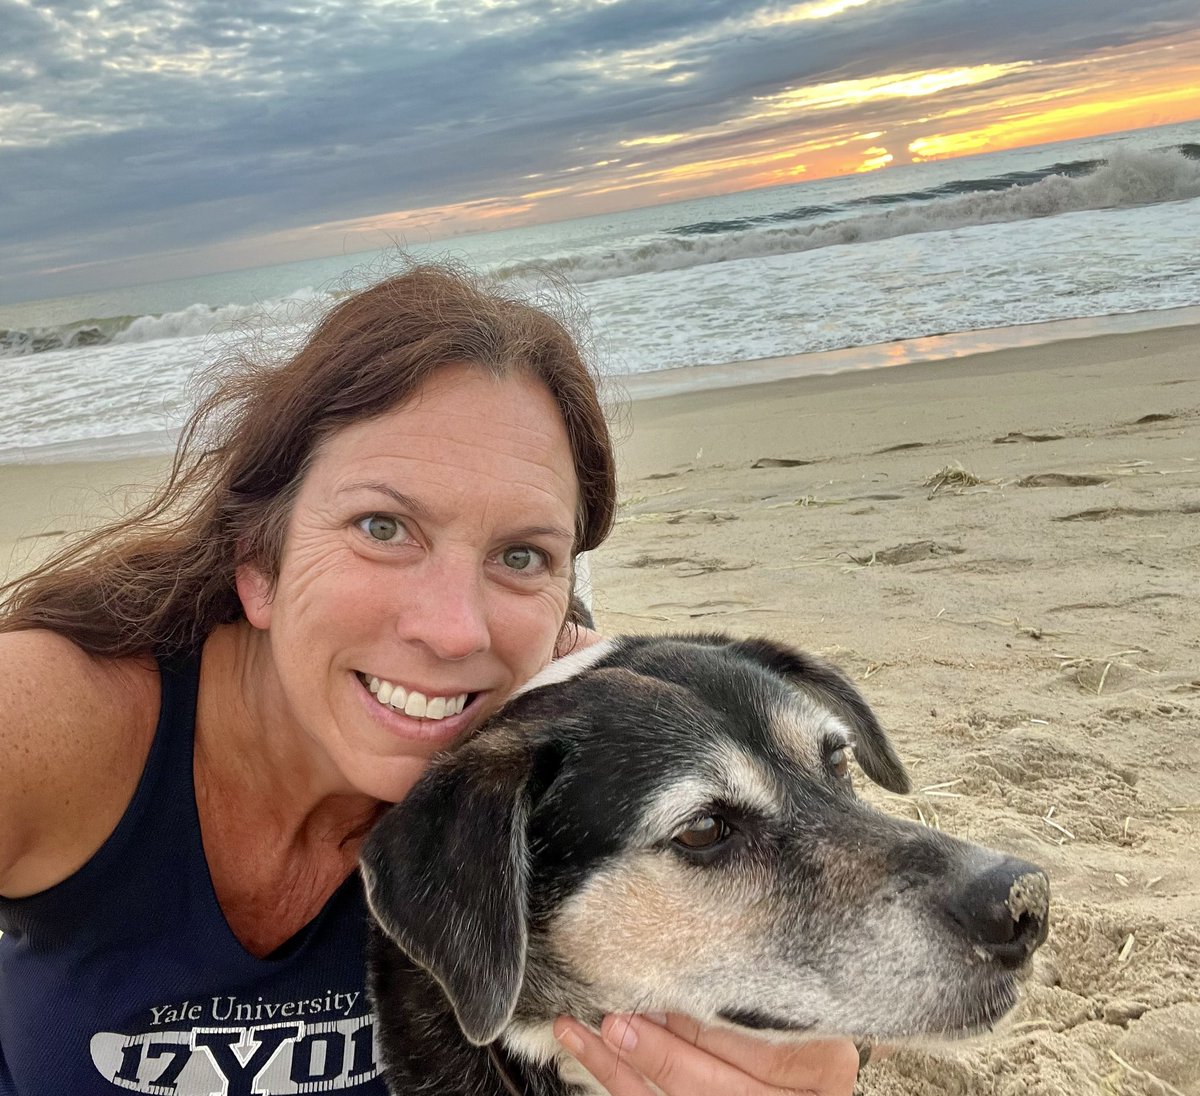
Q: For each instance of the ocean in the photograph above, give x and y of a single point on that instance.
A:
(1077, 230)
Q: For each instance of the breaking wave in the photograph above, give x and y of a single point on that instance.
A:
(1127, 178)
(195, 320)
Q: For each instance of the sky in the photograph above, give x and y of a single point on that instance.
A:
(151, 139)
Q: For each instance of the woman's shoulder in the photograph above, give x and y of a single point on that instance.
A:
(73, 742)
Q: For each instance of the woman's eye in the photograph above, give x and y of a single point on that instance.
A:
(839, 761)
(704, 833)
(522, 558)
(382, 528)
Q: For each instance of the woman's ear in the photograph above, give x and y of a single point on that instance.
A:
(256, 591)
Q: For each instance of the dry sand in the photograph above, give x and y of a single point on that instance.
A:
(1004, 551)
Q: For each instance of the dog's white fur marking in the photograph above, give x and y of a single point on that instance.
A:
(733, 777)
(748, 781)
(801, 727)
(572, 665)
(673, 807)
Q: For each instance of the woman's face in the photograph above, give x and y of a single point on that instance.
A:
(427, 567)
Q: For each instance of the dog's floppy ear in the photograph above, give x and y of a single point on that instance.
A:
(445, 874)
(872, 749)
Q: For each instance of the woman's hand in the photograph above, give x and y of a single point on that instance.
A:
(637, 1056)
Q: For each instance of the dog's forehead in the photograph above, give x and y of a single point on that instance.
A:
(695, 696)
(765, 714)
(661, 726)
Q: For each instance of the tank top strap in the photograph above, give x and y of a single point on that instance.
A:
(127, 871)
(168, 771)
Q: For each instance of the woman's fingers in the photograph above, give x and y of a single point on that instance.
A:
(610, 1067)
(820, 1065)
(635, 1057)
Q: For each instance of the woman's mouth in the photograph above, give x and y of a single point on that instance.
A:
(412, 702)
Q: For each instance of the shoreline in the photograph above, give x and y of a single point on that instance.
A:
(1024, 388)
(950, 347)
(51, 499)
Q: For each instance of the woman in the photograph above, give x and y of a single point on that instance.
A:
(357, 556)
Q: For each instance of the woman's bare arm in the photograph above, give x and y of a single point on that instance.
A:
(74, 735)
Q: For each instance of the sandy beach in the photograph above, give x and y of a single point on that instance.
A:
(1004, 551)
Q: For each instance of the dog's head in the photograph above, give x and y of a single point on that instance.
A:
(669, 824)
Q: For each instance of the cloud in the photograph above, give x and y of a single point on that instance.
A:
(183, 129)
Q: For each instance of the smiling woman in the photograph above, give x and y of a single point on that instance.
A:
(357, 557)
(486, 518)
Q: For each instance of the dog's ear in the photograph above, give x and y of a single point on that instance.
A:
(445, 875)
(873, 750)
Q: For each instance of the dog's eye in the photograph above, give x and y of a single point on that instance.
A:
(704, 833)
(839, 761)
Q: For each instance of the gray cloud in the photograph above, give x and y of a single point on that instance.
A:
(166, 125)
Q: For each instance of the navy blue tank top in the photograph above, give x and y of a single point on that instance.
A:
(126, 976)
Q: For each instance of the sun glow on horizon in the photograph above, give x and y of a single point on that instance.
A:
(957, 111)
(157, 142)
(875, 159)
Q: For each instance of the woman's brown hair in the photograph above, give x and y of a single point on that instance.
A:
(162, 578)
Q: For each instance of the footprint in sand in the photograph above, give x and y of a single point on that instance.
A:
(1075, 606)
(1105, 513)
(700, 517)
(780, 462)
(916, 551)
(685, 566)
(903, 445)
(1019, 436)
(1062, 479)
(1030, 770)
(707, 603)
(697, 609)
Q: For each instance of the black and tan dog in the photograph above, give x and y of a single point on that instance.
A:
(668, 824)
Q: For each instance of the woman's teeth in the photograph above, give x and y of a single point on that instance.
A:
(413, 703)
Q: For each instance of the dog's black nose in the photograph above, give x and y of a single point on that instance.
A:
(1004, 910)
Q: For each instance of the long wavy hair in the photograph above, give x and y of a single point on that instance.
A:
(162, 577)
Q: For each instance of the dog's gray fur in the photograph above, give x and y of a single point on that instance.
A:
(541, 870)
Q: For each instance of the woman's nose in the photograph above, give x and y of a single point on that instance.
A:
(447, 612)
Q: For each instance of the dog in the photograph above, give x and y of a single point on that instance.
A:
(668, 824)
